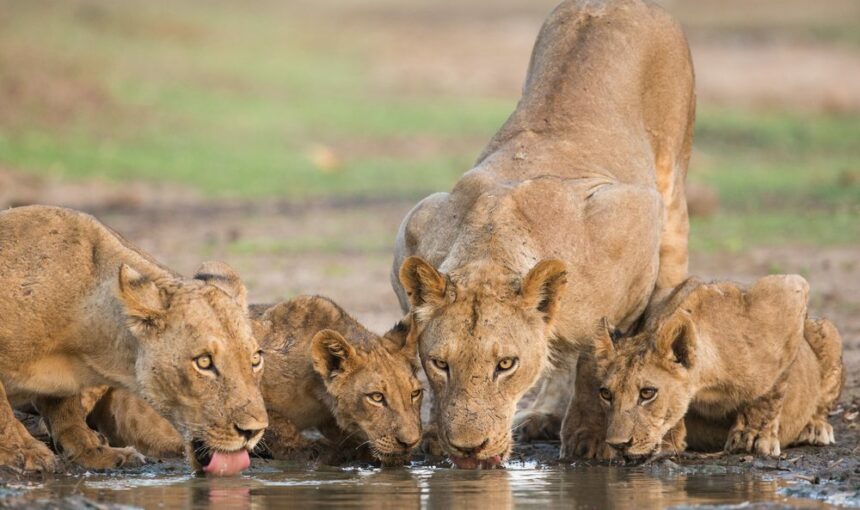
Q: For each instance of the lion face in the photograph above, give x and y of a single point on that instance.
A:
(198, 364)
(483, 343)
(376, 394)
(645, 385)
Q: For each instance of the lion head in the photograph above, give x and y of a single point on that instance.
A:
(375, 393)
(483, 337)
(198, 363)
(645, 382)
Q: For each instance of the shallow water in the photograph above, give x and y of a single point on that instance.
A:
(167, 486)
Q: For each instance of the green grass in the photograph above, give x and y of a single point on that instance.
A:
(232, 102)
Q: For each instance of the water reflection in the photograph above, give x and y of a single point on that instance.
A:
(427, 488)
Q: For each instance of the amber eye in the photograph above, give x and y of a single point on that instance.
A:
(417, 393)
(647, 393)
(204, 362)
(605, 394)
(441, 365)
(376, 397)
(506, 364)
(257, 359)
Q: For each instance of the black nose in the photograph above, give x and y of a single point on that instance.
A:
(618, 445)
(246, 433)
(471, 450)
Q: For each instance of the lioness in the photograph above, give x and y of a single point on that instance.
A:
(82, 307)
(324, 370)
(746, 367)
(584, 183)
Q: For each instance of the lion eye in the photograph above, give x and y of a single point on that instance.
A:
(257, 359)
(605, 394)
(204, 362)
(376, 397)
(441, 365)
(647, 393)
(417, 393)
(506, 364)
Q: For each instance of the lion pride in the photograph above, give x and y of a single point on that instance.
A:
(575, 210)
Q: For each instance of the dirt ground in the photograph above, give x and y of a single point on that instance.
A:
(342, 250)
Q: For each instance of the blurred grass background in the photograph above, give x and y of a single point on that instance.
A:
(392, 100)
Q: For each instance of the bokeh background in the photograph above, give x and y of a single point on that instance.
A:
(290, 138)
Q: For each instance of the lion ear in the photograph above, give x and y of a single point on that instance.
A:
(400, 338)
(424, 285)
(330, 352)
(143, 301)
(676, 340)
(543, 287)
(220, 275)
(601, 342)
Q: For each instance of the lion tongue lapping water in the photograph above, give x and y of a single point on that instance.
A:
(228, 463)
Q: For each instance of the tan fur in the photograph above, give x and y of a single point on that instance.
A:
(586, 175)
(81, 307)
(307, 385)
(745, 366)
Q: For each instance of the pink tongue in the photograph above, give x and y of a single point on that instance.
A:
(228, 464)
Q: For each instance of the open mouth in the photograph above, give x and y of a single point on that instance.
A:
(217, 462)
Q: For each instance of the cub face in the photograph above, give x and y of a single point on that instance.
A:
(198, 363)
(644, 384)
(377, 395)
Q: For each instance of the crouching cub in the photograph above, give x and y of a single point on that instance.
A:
(719, 366)
(324, 371)
(81, 307)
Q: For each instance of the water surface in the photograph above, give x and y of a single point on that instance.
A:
(285, 485)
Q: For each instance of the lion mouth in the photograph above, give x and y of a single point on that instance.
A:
(473, 462)
(218, 462)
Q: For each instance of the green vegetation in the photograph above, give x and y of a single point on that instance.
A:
(244, 103)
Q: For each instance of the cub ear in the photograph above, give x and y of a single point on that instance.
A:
(676, 340)
(424, 285)
(222, 276)
(143, 301)
(602, 342)
(400, 339)
(330, 352)
(543, 287)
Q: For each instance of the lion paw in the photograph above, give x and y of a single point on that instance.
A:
(536, 426)
(817, 432)
(31, 457)
(587, 445)
(106, 457)
(742, 440)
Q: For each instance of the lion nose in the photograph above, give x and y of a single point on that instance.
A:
(471, 450)
(619, 444)
(248, 432)
(408, 443)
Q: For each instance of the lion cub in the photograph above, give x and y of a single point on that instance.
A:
(324, 371)
(717, 365)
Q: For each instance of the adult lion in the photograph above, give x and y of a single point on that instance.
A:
(583, 184)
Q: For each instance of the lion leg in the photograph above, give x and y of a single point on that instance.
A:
(19, 450)
(583, 431)
(126, 420)
(542, 419)
(66, 421)
(756, 428)
(284, 441)
(675, 441)
(825, 341)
